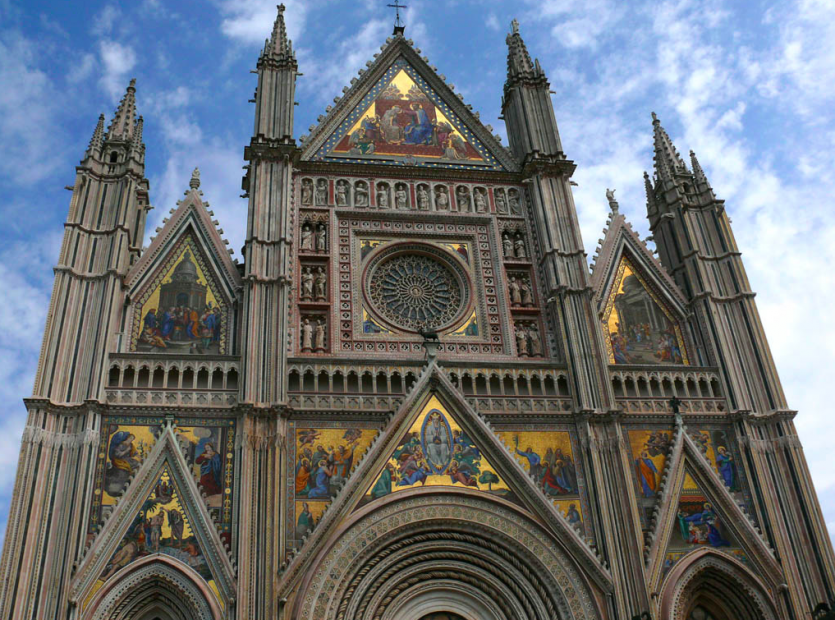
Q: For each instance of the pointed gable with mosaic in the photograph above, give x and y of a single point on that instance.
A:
(409, 116)
(185, 285)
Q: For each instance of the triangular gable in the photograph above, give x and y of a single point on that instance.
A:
(400, 112)
(627, 279)
(436, 451)
(433, 386)
(696, 511)
(161, 512)
(184, 287)
(620, 241)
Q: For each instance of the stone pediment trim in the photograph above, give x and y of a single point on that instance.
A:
(433, 382)
(394, 47)
(191, 214)
(687, 458)
(166, 451)
(620, 239)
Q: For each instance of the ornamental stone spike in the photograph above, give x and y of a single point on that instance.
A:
(667, 160)
(97, 138)
(124, 120)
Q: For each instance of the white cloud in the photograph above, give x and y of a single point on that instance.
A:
(251, 21)
(29, 131)
(492, 22)
(117, 60)
(82, 69)
(105, 20)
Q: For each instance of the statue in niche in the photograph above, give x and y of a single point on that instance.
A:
(513, 197)
(480, 200)
(307, 237)
(515, 295)
(507, 245)
(307, 284)
(525, 293)
(321, 284)
(536, 343)
(321, 192)
(307, 335)
(422, 198)
(441, 199)
(401, 197)
(342, 193)
(521, 341)
(519, 246)
(307, 192)
(501, 203)
(361, 195)
(321, 238)
(319, 336)
(463, 200)
(382, 197)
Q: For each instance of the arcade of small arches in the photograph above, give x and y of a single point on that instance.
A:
(185, 375)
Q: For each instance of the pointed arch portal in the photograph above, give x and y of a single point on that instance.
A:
(151, 588)
(708, 585)
(438, 552)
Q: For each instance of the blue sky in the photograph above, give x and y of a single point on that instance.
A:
(749, 85)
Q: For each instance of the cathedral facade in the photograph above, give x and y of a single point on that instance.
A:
(412, 399)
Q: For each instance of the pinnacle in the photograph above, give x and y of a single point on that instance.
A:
(519, 63)
(279, 46)
(698, 173)
(667, 160)
(98, 136)
(124, 120)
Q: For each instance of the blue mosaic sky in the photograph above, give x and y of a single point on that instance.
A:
(749, 85)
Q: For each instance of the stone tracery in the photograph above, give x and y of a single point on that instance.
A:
(417, 290)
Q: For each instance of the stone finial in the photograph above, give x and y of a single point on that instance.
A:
(613, 204)
(667, 160)
(514, 26)
(124, 120)
(195, 179)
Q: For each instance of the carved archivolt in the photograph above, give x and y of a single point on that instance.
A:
(397, 551)
(716, 577)
(156, 584)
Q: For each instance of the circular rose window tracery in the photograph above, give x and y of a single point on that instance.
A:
(413, 287)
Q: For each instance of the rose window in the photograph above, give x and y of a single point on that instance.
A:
(414, 290)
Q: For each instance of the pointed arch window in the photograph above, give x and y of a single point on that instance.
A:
(638, 327)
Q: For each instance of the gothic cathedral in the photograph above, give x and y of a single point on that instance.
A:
(412, 399)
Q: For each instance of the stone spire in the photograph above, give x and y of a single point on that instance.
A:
(667, 160)
(278, 46)
(122, 125)
(98, 137)
(698, 172)
(519, 64)
(137, 148)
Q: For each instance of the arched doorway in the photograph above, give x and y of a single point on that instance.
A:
(708, 585)
(156, 587)
(421, 554)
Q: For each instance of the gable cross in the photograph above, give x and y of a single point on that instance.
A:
(398, 24)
